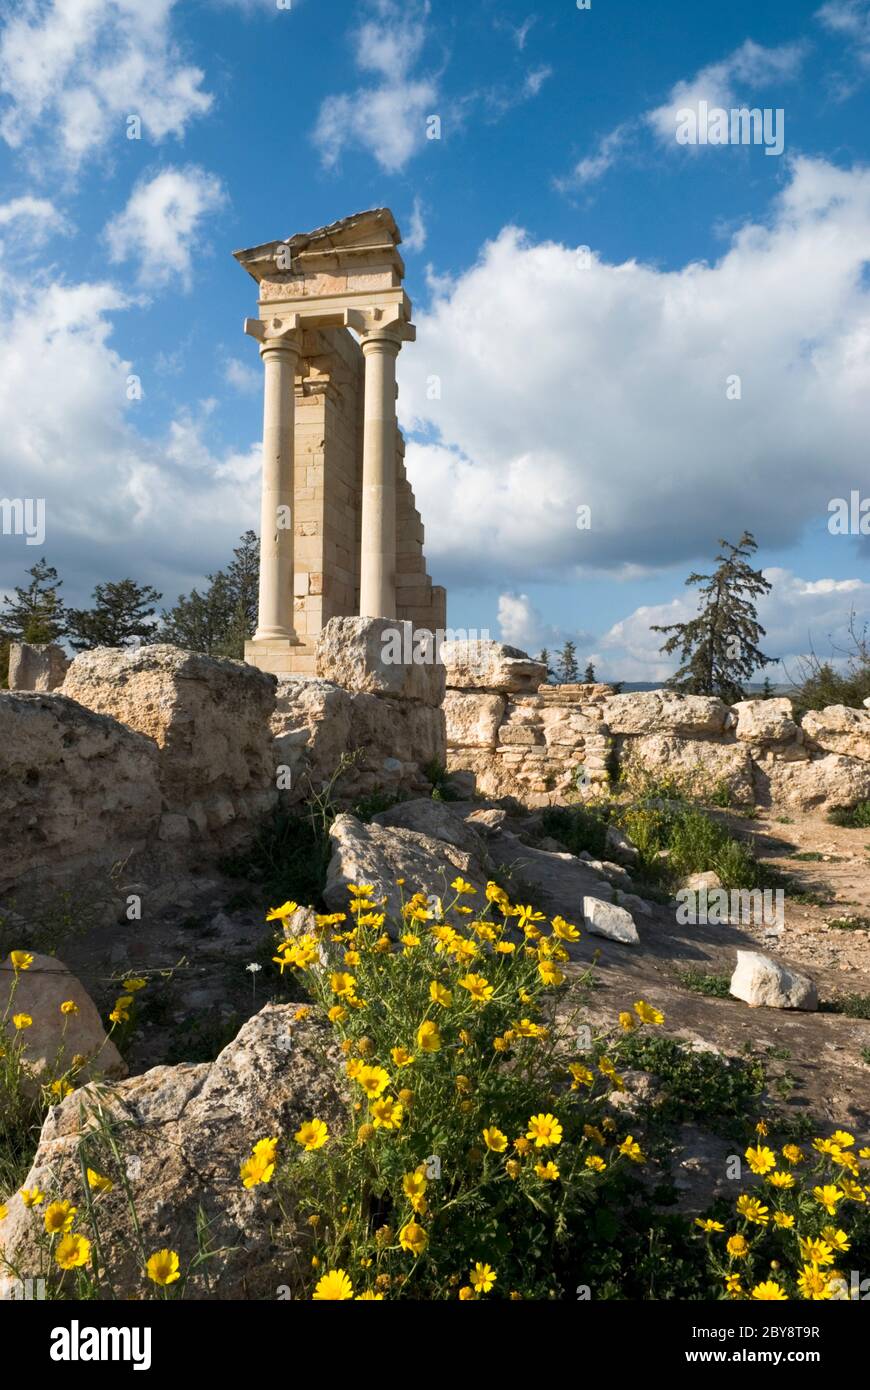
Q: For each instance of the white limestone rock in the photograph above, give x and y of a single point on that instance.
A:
(54, 1038)
(488, 665)
(473, 718)
(758, 980)
(764, 721)
(380, 855)
(610, 920)
(376, 656)
(664, 711)
(838, 729)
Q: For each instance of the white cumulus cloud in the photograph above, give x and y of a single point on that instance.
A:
(72, 71)
(387, 117)
(160, 227)
(540, 384)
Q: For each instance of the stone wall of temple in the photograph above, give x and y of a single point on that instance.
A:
(556, 742)
(328, 481)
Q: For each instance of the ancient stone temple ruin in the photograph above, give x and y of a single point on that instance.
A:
(340, 532)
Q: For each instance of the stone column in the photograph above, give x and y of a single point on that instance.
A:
(279, 349)
(377, 590)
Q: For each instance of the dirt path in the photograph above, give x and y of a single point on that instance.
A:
(818, 1063)
(831, 865)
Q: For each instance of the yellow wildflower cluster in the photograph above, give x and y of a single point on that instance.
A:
(788, 1228)
(445, 1043)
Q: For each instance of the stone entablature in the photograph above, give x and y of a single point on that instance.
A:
(340, 532)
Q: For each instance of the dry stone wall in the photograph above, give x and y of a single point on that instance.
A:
(543, 744)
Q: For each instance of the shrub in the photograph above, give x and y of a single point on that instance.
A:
(675, 839)
(578, 827)
(484, 1153)
(852, 818)
(478, 1141)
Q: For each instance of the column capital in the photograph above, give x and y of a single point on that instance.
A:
(276, 334)
(385, 326)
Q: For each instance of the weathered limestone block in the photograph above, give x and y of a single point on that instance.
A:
(183, 1132)
(362, 654)
(817, 784)
(839, 729)
(758, 980)
(487, 665)
(209, 718)
(664, 712)
(437, 819)
(316, 721)
(562, 725)
(36, 665)
(707, 765)
(520, 735)
(764, 721)
(607, 919)
(311, 724)
(472, 719)
(398, 739)
(54, 1039)
(379, 856)
(77, 789)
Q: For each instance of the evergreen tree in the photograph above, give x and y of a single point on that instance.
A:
(122, 612)
(36, 613)
(567, 668)
(5, 641)
(544, 659)
(220, 620)
(719, 648)
(589, 674)
(767, 689)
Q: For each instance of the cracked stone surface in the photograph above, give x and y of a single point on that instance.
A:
(183, 1132)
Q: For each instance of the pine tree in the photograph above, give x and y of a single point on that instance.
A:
(122, 613)
(544, 659)
(767, 689)
(719, 648)
(243, 581)
(220, 620)
(589, 674)
(567, 668)
(36, 613)
(5, 642)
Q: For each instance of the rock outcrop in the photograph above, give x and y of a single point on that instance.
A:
(78, 791)
(36, 666)
(54, 1037)
(379, 856)
(183, 1133)
(210, 721)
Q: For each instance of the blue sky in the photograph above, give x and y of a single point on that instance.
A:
(562, 383)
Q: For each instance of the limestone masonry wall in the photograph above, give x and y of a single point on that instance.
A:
(538, 744)
(157, 758)
(327, 500)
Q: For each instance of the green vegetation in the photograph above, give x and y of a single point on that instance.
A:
(718, 648)
(578, 827)
(852, 818)
(851, 1005)
(713, 986)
